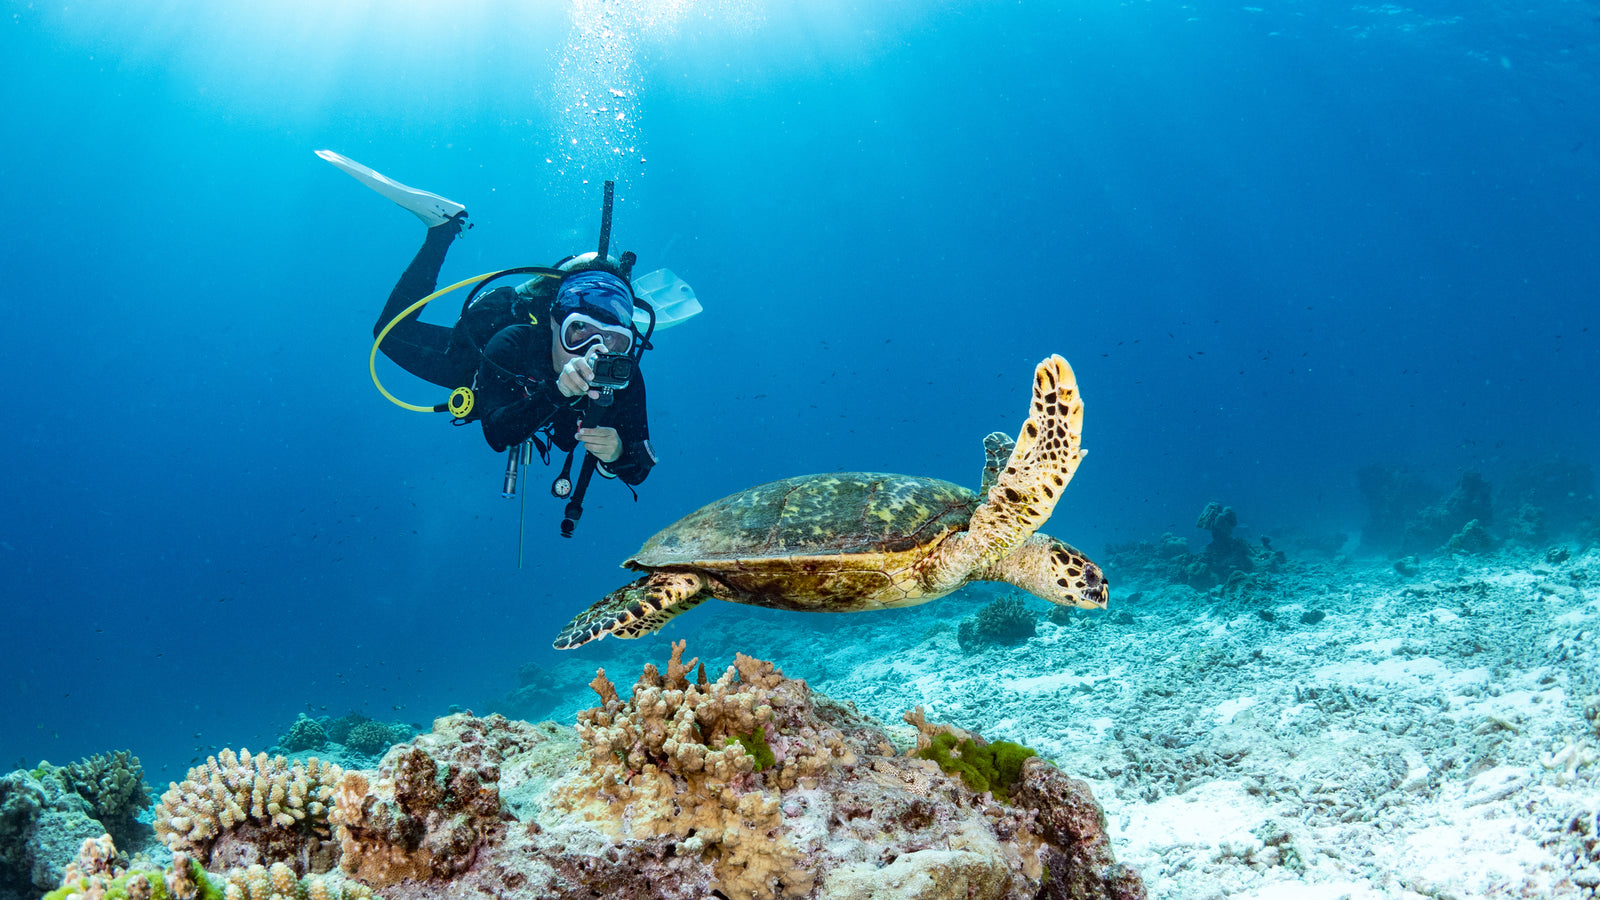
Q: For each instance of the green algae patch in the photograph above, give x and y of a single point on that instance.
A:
(994, 767)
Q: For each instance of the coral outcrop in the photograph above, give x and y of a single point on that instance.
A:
(1229, 562)
(352, 734)
(1394, 496)
(113, 786)
(98, 872)
(1473, 538)
(47, 813)
(838, 814)
(238, 810)
(434, 804)
(748, 786)
(1005, 622)
(994, 767)
(305, 734)
(1432, 528)
(1227, 553)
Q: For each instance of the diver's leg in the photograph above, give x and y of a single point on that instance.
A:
(419, 347)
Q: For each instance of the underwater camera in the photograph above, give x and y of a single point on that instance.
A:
(612, 371)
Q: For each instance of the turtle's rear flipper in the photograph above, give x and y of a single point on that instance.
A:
(636, 610)
(1043, 461)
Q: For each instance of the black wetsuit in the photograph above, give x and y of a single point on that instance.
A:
(516, 395)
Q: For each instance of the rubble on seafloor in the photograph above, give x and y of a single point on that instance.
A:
(748, 787)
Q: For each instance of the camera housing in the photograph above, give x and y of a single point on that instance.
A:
(612, 371)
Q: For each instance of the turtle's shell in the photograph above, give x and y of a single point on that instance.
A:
(840, 514)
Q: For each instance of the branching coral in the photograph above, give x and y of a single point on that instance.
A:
(281, 808)
(677, 759)
(113, 784)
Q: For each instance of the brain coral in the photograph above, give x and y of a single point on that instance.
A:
(241, 809)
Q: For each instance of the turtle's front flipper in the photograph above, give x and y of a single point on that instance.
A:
(997, 449)
(1024, 494)
(636, 610)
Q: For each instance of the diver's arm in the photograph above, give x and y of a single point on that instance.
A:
(633, 429)
(514, 413)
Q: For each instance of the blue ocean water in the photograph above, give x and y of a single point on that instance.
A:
(1278, 243)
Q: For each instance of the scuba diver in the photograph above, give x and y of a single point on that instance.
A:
(534, 372)
(550, 362)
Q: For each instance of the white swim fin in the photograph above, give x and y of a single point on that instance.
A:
(674, 300)
(432, 209)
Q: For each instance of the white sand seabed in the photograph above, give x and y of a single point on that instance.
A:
(1426, 739)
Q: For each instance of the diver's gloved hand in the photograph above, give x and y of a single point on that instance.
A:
(603, 444)
(576, 375)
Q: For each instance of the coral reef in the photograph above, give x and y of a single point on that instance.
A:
(1563, 490)
(1394, 496)
(1228, 561)
(1077, 851)
(1528, 526)
(538, 690)
(46, 814)
(748, 786)
(839, 813)
(670, 762)
(1226, 553)
(1002, 623)
(1472, 538)
(238, 810)
(434, 804)
(305, 734)
(1431, 528)
(99, 873)
(1548, 500)
(22, 801)
(111, 784)
(1167, 560)
(363, 735)
(370, 738)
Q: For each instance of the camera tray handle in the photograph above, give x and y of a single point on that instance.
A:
(574, 510)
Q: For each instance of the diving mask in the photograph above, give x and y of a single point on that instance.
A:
(580, 331)
(595, 306)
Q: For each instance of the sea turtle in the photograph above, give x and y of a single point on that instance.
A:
(855, 541)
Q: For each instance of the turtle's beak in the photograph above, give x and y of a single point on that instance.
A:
(1096, 590)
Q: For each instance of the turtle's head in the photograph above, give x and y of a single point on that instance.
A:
(1058, 572)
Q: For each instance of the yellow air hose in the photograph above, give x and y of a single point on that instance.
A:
(372, 358)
